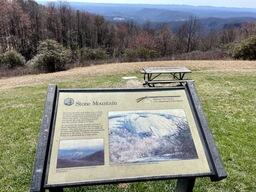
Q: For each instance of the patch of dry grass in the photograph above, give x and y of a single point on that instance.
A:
(124, 68)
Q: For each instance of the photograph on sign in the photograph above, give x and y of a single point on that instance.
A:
(105, 136)
(79, 153)
(150, 136)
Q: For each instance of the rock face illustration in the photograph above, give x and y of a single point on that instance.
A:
(149, 136)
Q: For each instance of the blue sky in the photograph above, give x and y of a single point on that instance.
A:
(217, 3)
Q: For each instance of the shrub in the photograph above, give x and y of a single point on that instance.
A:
(87, 54)
(11, 59)
(36, 62)
(147, 54)
(51, 57)
(245, 50)
(141, 54)
(130, 55)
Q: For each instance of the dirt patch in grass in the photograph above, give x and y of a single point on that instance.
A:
(124, 68)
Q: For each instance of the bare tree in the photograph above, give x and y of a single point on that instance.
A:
(165, 43)
(188, 34)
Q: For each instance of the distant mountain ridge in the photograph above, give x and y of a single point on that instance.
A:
(93, 159)
(214, 23)
(212, 18)
(76, 153)
(128, 10)
(134, 9)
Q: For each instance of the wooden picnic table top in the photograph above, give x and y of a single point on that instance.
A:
(157, 70)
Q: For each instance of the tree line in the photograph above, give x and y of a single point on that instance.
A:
(25, 23)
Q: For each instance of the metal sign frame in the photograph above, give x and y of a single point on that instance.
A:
(185, 182)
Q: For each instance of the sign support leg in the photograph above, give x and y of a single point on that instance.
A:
(185, 185)
(58, 189)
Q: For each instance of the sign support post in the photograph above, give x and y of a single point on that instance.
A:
(58, 189)
(185, 185)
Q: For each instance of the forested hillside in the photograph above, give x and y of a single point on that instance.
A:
(83, 37)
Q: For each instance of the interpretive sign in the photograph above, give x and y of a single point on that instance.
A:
(123, 135)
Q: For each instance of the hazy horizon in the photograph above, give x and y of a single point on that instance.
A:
(216, 3)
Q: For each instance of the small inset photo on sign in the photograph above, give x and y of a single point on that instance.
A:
(150, 136)
(80, 153)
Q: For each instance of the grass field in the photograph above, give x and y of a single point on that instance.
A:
(228, 98)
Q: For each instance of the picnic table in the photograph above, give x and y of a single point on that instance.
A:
(157, 75)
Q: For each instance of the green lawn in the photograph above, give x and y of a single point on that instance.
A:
(229, 102)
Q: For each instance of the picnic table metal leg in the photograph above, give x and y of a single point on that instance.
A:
(145, 79)
(151, 84)
(150, 77)
(175, 76)
(182, 75)
(185, 185)
(153, 78)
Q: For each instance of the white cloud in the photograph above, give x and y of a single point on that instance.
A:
(80, 144)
